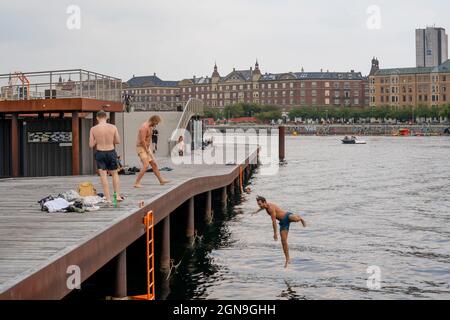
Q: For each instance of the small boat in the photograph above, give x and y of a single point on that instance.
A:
(352, 140)
(404, 132)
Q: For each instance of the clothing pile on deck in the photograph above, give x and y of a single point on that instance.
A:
(71, 201)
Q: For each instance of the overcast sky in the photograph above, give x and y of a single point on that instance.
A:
(181, 38)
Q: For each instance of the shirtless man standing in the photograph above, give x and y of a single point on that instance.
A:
(145, 153)
(285, 219)
(104, 137)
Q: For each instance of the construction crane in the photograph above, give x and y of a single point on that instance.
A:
(23, 89)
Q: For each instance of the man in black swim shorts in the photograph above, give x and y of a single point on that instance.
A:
(104, 137)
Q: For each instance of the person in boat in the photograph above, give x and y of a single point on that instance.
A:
(285, 219)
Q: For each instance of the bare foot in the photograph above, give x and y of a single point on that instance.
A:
(288, 261)
(120, 199)
(163, 182)
(138, 185)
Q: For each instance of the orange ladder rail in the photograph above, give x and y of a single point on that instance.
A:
(241, 178)
(149, 226)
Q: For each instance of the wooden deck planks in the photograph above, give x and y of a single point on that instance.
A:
(31, 239)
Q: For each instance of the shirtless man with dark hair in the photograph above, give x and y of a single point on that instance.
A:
(104, 137)
(284, 218)
(144, 152)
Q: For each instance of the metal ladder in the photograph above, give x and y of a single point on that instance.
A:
(149, 226)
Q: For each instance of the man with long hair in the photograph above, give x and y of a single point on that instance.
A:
(143, 149)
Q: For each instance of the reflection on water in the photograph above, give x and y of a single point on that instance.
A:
(382, 204)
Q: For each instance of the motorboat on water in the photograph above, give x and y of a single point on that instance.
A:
(352, 140)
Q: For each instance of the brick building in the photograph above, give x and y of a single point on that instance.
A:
(286, 90)
(401, 87)
(150, 93)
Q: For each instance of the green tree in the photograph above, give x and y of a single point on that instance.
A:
(269, 115)
(234, 111)
(213, 113)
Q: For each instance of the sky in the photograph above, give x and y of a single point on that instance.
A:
(178, 39)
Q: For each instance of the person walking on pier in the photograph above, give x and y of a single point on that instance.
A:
(104, 137)
(284, 218)
(155, 140)
(145, 153)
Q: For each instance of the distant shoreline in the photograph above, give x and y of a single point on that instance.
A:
(341, 129)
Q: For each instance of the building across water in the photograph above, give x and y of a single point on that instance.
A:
(286, 90)
(401, 87)
(431, 47)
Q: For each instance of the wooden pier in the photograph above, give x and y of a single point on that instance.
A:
(37, 248)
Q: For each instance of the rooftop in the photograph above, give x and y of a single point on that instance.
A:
(150, 81)
(59, 84)
(443, 68)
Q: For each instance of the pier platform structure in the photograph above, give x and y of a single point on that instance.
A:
(37, 248)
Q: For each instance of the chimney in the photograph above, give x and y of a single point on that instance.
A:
(352, 71)
(154, 74)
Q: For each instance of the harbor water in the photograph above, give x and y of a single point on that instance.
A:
(382, 205)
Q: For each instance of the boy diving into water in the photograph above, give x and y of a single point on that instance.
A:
(284, 218)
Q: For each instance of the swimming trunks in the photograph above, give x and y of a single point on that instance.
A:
(145, 154)
(285, 222)
(106, 160)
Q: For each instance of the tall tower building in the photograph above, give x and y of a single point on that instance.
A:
(431, 47)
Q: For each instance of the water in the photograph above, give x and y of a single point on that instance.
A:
(383, 204)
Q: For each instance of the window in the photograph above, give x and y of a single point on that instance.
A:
(314, 93)
(314, 84)
(327, 100)
(327, 93)
(327, 84)
(303, 93)
(356, 102)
